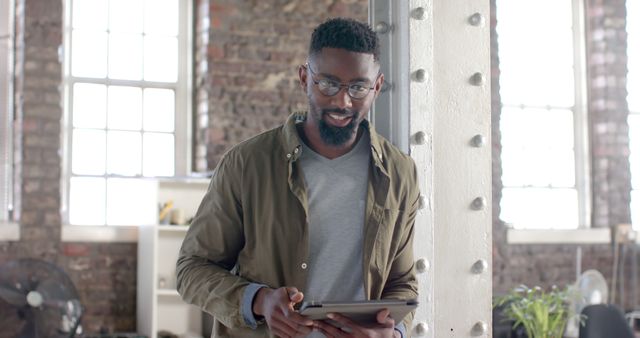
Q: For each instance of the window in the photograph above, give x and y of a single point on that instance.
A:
(6, 110)
(543, 120)
(127, 106)
(633, 98)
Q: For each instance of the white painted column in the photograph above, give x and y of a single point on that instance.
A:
(462, 168)
(435, 55)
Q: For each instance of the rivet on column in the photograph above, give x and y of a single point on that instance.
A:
(477, 20)
(479, 266)
(477, 79)
(419, 138)
(479, 328)
(422, 202)
(382, 27)
(419, 75)
(479, 203)
(478, 141)
(422, 265)
(418, 13)
(421, 329)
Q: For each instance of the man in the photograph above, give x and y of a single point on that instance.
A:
(321, 208)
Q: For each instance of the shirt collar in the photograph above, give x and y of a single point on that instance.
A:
(293, 143)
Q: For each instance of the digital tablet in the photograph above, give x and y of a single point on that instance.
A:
(363, 312)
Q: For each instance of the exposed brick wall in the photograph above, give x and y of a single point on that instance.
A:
(546, 265)
(608, 111)
(104, 274)
(253, 52)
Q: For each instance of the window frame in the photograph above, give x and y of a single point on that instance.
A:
(582, 157)
(7, 36)
(183, 114)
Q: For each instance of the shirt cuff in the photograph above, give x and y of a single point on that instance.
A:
(400, 328)
(247, 304)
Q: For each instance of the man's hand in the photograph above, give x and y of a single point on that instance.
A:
(276, 306)
(384, 328)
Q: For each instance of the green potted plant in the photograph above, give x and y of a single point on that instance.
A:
(542, 314)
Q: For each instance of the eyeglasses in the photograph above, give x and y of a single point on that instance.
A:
(356, 90)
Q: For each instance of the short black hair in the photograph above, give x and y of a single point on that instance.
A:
(345, 33)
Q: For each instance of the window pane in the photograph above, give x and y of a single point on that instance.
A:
(89, 54)
(125, 16)
(124, 153)
(90, 14)
(160, 59)
(537, 167)
(125, 56)
(87, 201)
(533, 208)
(131, 202)
(540, 128)
(158, 154)
(88, 152)
(89, 105)
(161, 17)
(159, 109)
(125, 108)
(531, 54)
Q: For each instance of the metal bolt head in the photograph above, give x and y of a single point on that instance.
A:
(422, 202)
(382, 27)
(419, 75)
(418, 13)
(421, 329)
(419, 138)
(477, 20)
(479, 203)
(422, 265)
(479, 266)
(478, 141)
(479, 328)
(477, 79)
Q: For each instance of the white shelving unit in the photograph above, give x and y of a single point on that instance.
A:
(159, 304)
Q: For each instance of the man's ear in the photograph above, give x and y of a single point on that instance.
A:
(302, 75)
(378, 85)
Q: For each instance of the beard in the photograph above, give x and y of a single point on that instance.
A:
(336, 136)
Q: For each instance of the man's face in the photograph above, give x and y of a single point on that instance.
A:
(338, 116)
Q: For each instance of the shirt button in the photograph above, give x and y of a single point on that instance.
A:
(303, 265)
(288, 155)
(296, 150)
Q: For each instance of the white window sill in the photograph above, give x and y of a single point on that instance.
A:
(9, 231)
(109, 234)
(574, 236)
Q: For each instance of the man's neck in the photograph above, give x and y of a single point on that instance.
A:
(311, 137)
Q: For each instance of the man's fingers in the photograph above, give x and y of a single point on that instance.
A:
(328, 329)
(383, 317)
(343, 320)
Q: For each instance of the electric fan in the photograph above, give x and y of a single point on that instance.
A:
(590, 288)
(43, 297)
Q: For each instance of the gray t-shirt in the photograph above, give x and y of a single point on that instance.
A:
(336, 191)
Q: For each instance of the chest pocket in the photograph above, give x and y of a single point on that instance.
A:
(392, 223)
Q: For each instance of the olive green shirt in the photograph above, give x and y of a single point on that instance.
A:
(252, 227)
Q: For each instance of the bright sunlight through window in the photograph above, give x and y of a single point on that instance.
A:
(123, 83)
(538, 119)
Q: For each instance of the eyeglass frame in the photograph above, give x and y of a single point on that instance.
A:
(339, 85)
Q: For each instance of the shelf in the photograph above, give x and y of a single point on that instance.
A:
(168, 292)
(177, 228)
